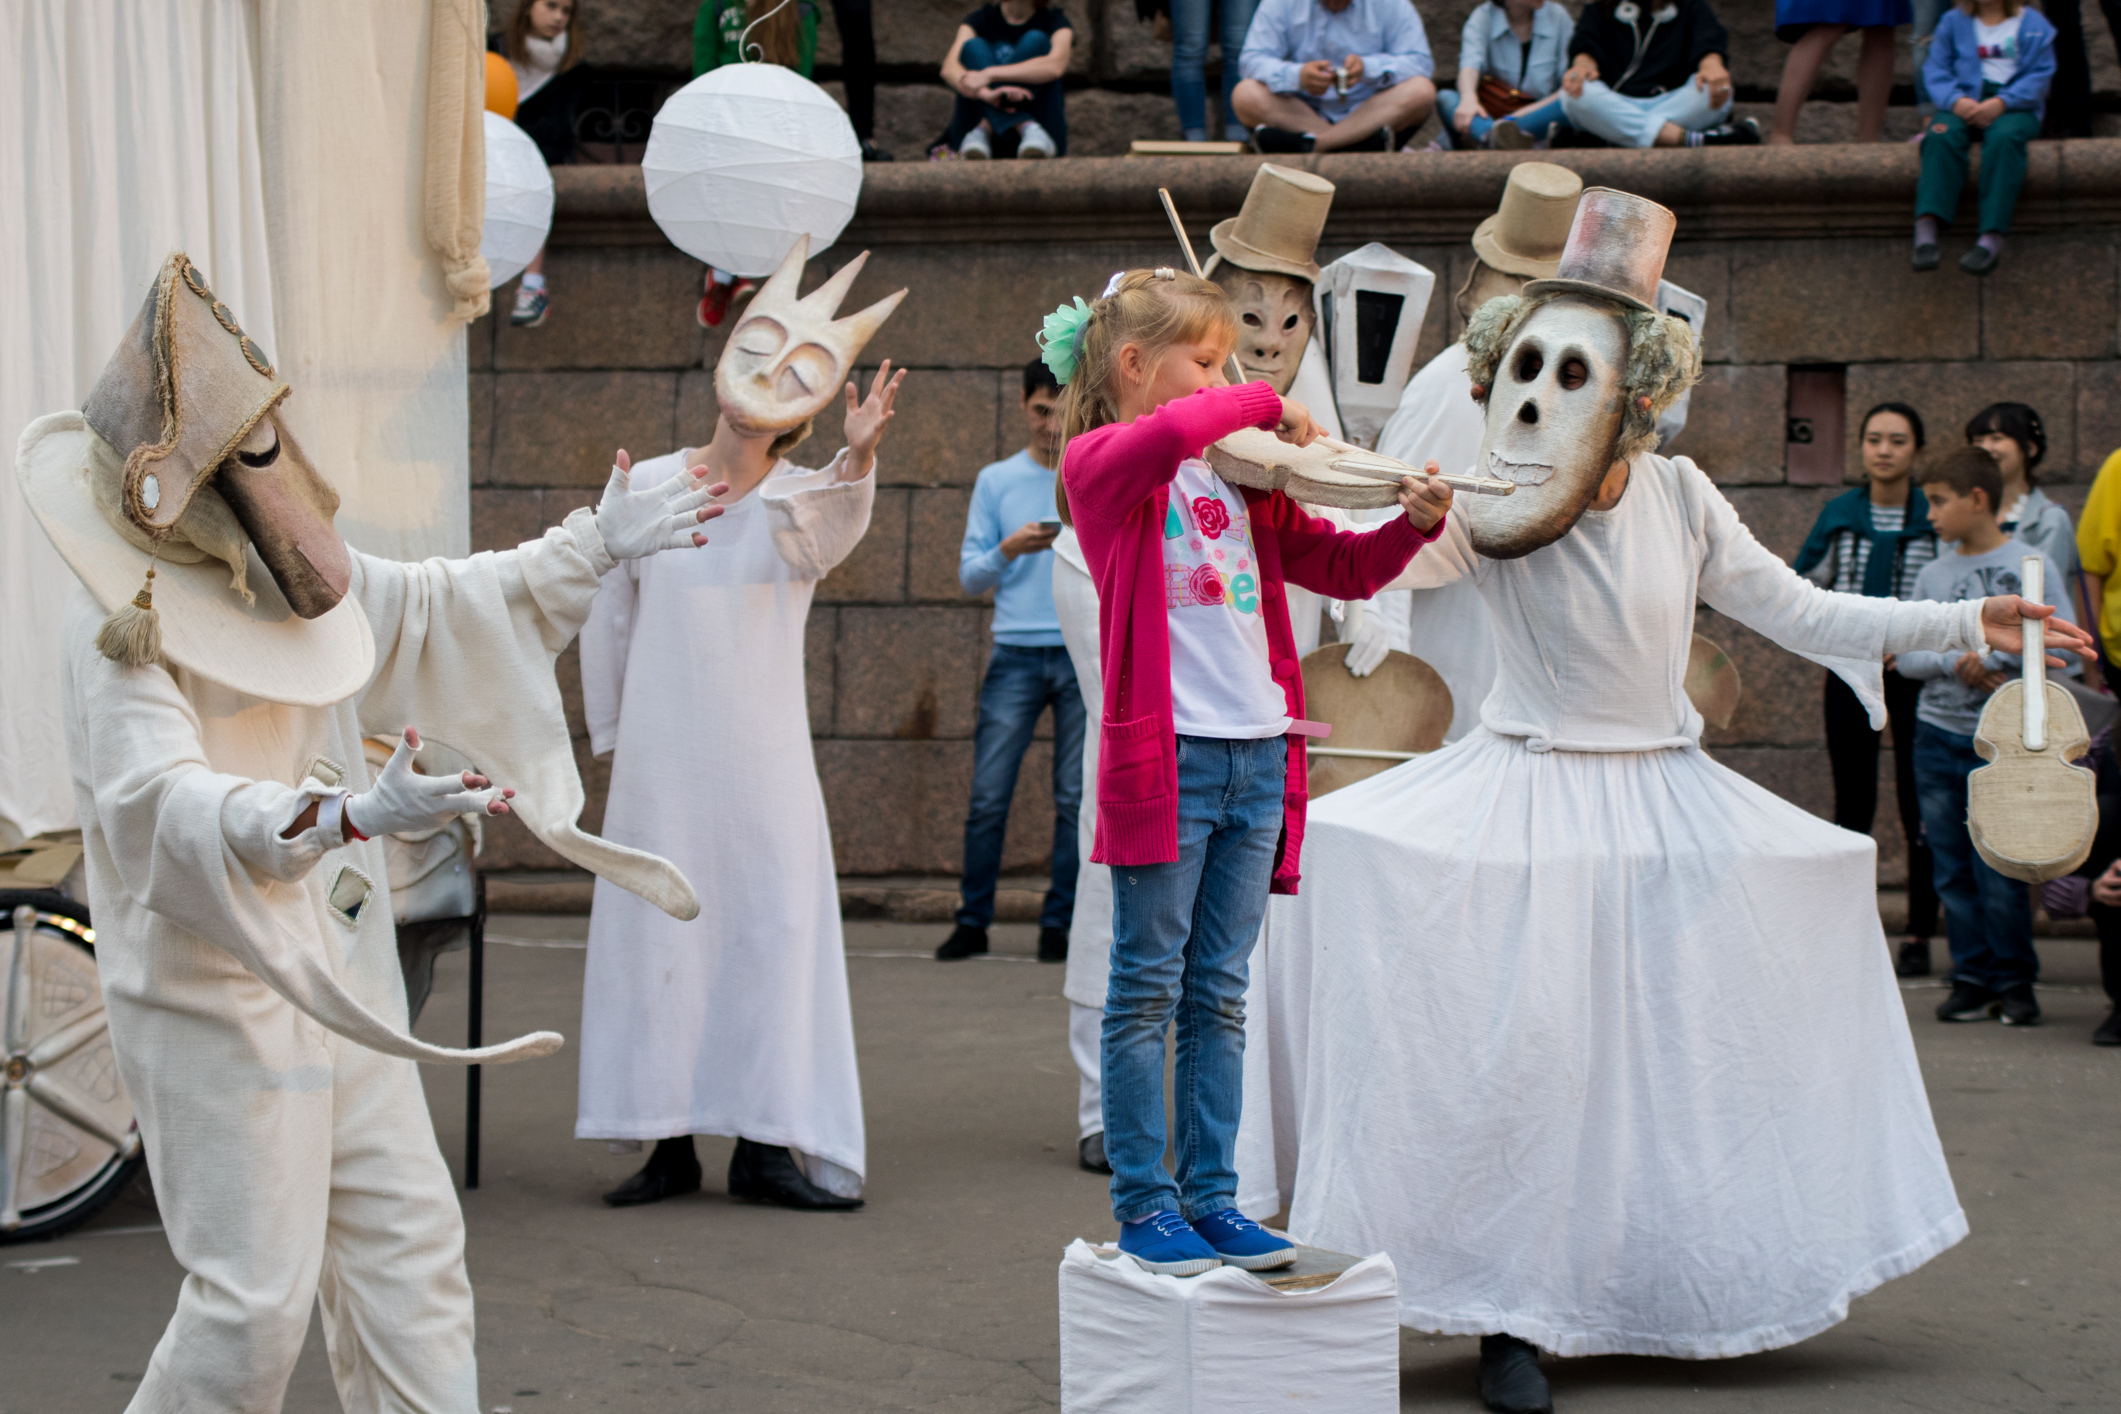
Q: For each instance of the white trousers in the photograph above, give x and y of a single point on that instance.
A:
(1635, 122)
(292, 1168)
(1086, 1027)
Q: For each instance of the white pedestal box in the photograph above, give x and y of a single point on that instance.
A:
(1226, 1342)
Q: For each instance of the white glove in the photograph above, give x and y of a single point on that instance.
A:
(635, 524)
(403, 800)
(1367, 636)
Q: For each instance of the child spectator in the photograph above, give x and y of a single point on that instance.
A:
(1334, 75)
(1988, 72)
(2099, 551)
(2012, 434)
(1652, 78)
(781, 33)
(1189, 57)
(1813, 27)
(540, 48)
(1005, 67)
(1987, 916)
(1875, 540)
(1511, 56)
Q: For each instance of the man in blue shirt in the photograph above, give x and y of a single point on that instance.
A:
(1334, 75)
(1008, 548)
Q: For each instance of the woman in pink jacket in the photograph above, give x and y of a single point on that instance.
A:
(1201, 771)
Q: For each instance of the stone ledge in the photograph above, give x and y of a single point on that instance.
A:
(1810, 191)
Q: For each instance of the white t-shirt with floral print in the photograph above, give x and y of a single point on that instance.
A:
(1220, 682)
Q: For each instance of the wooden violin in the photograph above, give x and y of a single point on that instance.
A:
(1329, 472)
(2031, 813)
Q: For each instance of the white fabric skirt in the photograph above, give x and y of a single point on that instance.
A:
(1604, 1049)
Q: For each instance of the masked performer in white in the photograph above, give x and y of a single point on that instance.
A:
(1598, 1039)
(738, 1022)
(233, 836)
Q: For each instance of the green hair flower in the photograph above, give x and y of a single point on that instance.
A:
(1060, 342)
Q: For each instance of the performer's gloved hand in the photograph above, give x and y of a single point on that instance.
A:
(635, 524)
(1368, 639)
(404, 800)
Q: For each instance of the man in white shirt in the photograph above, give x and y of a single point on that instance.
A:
(1334, 75)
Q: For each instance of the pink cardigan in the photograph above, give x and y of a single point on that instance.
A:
(1118, 481)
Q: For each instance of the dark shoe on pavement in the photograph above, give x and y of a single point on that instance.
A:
(1281, 141)
(2108, 1034)
(1914, 959)
(2019, 1007)
(1052, 944)
(967, 941)
(1510, 1382)
(1090, 1153)
(1743, 133)
(1926, 256)
(1968, 1003)
(1978, 260)
(672, 1170)
(768, 1173)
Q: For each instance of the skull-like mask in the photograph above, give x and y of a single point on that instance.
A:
(1274, 317)
(788, 356)
(1553, 425)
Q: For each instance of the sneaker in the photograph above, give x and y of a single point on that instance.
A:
(1968, 1003)
(1506, 136)
(2019, 1007)
(714, 305)
(531, 308)
(1743, 133)
(1034, 141)
(977, 146)
(1926, 255)
(1510, 1382)
(872, 153)
(1978, 260)
(967, 941)
(1240, 1242)
(1282, 142)
(1090, 1153)
(1914, 959)
(2108, 1034)
(1052, 944)
(1166, 1244)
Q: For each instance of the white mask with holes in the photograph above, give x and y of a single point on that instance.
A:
(1554, 421)
(1274, 319)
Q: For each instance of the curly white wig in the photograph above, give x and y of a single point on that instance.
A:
(1663, 359)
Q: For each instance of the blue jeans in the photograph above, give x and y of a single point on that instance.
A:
(1987, 916)
(1182, 934)
(978, 53)
(1635, 122)
(1539, 120)
(1189, 57)
(1020, 682)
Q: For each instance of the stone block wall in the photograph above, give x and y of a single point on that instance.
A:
(1799, 254)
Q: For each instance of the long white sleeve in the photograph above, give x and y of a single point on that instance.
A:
(818, 517)
(606, 640)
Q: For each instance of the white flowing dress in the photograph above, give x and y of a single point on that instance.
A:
(1598, 1039)
(738, 1022)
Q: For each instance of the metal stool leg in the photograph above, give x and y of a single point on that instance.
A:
(476, 1011)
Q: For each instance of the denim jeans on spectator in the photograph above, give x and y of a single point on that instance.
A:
(1635, 122)
(1019, 685)
(1538, 120)
(1987, 916)
(1182, 934)
(977, 53)
(1189, 57)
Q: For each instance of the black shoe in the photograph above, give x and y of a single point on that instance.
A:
(1053, 945)
(1914, 959)
(1281, 141)
(671, 1171)
(1091, 1152)
(964, 943)
(1925, 255)
(767, 1173)
(2019, 1007)
(1979, 260)
(1379, 141)
(1968, 1003)
(1743, 133)
(872, 153)
(2108, 1034)
(1510, 1382)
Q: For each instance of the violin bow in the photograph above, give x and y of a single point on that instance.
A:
(1178, 228)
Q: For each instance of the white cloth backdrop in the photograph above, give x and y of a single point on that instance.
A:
(280, 145)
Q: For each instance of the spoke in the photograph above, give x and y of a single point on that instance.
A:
(64, 1103)
(68, 1039)
(14, 1134)
(18, 980)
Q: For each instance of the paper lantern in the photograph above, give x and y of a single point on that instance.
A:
(518, 201)
(744, 159)
(500, 86)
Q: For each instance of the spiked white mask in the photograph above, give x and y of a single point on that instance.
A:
(788, 356)
(1274, 319)
(1553, 425)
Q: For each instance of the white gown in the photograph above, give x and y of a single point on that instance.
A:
(1597, 1038)
(738, 1022)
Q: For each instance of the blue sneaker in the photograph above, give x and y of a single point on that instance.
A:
(1240, 1242)
(1165, 1244)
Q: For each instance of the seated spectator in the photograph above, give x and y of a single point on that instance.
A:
(1511, 55)
(1334, 75)
(785, 34)
(1990, 65)
(1189, 57)
(1652, 78)
(1812, 28)
(1005, 67)
(539, 45)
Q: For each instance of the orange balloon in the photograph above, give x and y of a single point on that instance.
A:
(500, 86)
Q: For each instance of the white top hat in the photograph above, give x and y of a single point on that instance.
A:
(1616, 249)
